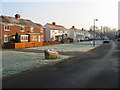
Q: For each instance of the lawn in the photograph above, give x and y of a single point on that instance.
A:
(81, 46)
(15, 62)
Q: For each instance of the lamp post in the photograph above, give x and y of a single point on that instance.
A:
(94, 32)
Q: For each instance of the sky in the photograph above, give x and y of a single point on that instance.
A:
(119, 15)
(78, 13)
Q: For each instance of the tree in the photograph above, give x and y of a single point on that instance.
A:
(17, 38)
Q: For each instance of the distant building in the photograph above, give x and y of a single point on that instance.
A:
(28, 30)
(77, 34)
(55, 32)
(98, 35)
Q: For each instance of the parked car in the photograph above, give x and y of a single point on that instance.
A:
(106, 41)
(86, 38)
(118, 39)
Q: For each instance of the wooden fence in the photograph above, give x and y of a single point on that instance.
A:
(50, 43)
(28, 44)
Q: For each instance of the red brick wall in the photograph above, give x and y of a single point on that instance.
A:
(15, 28)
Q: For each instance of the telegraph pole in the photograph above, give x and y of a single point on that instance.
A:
(94, 32)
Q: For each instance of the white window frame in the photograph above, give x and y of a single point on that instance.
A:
(23, 29)
(34, 38)
(6, 29)
(25, 38)
(31, 29)
(8, 38)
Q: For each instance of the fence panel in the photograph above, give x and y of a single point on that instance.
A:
(28, 44)
(19, 45)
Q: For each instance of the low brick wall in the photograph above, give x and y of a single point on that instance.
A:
(9, 45)
(28, 44)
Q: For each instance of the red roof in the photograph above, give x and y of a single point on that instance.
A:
(56, 27)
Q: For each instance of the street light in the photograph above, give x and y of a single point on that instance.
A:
(94, 32)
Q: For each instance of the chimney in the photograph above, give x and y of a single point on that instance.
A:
(53, 23)
(73, 27)
(17, 16)
(82, 28)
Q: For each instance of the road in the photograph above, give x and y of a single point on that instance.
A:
(95, 69)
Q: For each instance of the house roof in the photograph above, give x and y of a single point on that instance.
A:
(24, 22)
(56, 27)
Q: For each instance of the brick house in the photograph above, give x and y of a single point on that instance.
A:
(28, 30)
(55, 32)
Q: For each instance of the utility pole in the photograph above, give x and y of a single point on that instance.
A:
(101, 32)
(94, 32)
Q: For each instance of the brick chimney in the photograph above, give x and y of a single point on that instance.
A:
(53, 23)
(73, 27)
(17, 16)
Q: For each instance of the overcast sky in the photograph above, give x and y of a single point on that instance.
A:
(79, 13)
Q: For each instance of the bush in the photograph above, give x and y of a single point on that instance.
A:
(17, 38)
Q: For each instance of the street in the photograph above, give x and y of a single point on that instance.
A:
(95, 69)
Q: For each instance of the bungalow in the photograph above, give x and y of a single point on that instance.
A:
(26, 29)
(55, 32)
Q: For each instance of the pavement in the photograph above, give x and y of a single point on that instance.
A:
(95, 69)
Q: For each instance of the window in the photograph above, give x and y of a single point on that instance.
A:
(61, 31)
(24, 38)
(6, 38)
(42, 29)
(42, 36)
(22, 29)
(65, 31)
(32, 29)
(55, 32)
(7, 28)
(34, 38)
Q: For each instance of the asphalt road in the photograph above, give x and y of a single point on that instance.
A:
(95, 69)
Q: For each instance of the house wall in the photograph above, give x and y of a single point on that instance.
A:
(52, 33)
(78, 34)
(71, 33)
(59, 33)
(47, 34)
(0, 35)
(15, 28)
